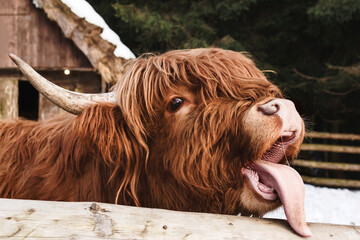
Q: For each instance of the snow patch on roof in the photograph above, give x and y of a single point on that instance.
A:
(35, 2)
(84, 10)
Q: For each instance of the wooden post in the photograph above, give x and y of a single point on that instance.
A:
(27, 219)
(9, 93)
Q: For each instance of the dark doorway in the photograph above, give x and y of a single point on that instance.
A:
(28, 101)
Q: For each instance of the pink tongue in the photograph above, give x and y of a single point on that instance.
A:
(290, 188)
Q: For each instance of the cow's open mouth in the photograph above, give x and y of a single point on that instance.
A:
(274, 154)
(272, 180)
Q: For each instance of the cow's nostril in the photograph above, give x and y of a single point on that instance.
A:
(269, 108)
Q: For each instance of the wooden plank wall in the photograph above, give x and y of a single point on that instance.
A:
(27, 32)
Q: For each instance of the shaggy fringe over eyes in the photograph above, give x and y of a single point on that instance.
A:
(150, 78)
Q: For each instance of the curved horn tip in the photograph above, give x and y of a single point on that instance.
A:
(14, 58)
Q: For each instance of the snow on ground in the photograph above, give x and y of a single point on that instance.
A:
(84, 10)
(326, 205)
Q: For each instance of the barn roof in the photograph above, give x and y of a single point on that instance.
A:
(72, 39)
(84, 10)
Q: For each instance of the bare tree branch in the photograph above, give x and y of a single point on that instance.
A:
(318, 79)
(341, 93)
(353, 70)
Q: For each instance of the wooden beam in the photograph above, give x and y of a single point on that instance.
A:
(47, 69)
(27, 219)
(327, 165)
(332, 182)
(330, 148)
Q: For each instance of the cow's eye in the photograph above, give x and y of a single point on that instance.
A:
(175, 104)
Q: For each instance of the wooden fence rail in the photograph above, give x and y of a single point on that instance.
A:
(336, 136)
(27, 219)
(330, 148)
(339, 166)
(328, 165)
(332, 182)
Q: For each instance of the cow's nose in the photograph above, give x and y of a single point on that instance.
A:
(270, 108)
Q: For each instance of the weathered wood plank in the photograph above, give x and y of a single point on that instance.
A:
(330, 148)
(25, 219)
(27, 32)
(332, 182)
(13, 7)
(8, 98)
(335, 136)
(327, 165)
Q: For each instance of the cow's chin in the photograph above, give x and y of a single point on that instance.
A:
(256, 204)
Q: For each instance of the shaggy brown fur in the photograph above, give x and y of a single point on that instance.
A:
(141, 153)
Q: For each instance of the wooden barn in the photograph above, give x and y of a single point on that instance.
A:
(52, 39)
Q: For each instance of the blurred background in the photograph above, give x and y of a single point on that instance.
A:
(311, 45)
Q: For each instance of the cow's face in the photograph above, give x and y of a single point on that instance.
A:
(228, 140)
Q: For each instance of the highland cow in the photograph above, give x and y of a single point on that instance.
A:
(193, 130)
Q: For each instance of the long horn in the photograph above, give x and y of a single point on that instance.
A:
(70, 101)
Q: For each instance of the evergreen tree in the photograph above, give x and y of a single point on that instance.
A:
(312, 45)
